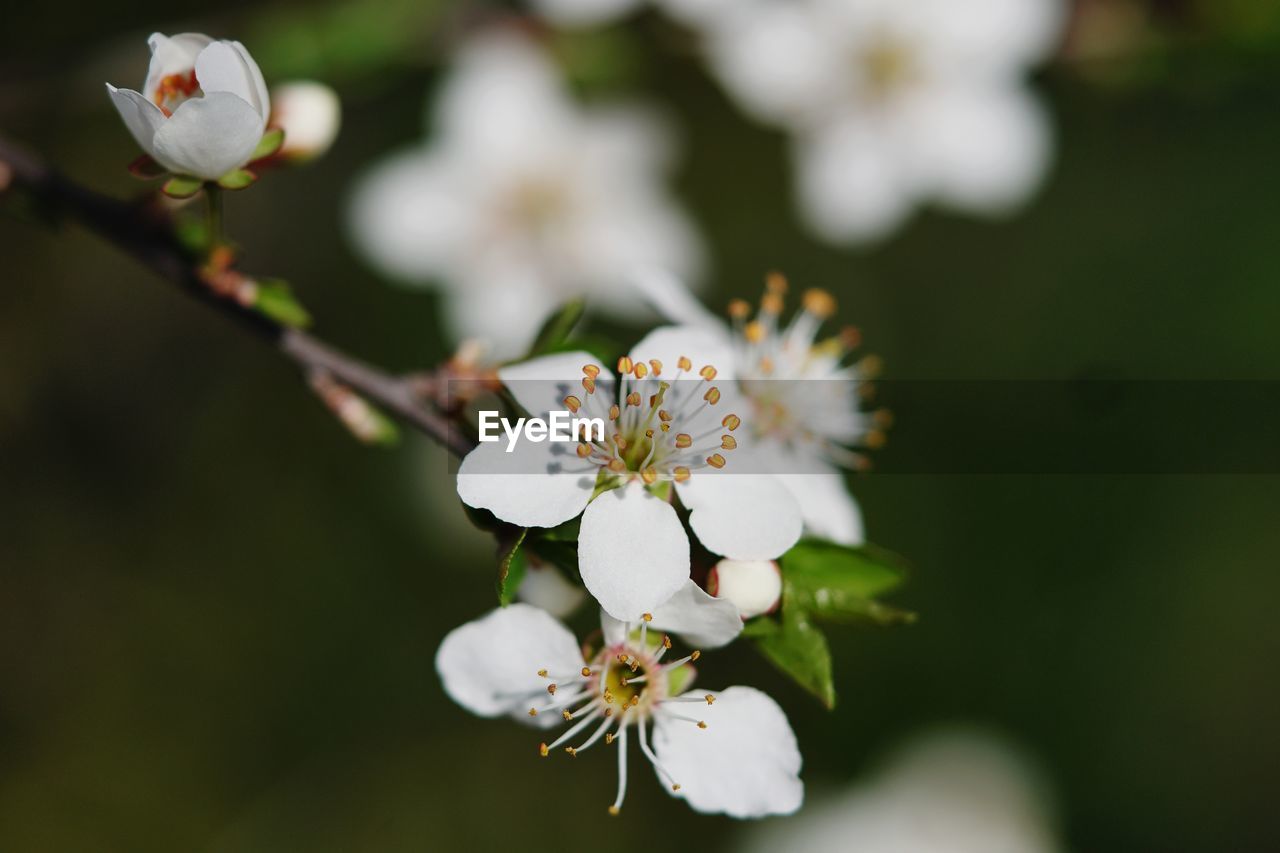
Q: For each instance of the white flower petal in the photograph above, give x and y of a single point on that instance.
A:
(503, 301)
(490, 666)
(753, 586)
(142, 117)
(256, 79)
(222, 67)
(702, 345)
(745, 763)
(538, 484)
(829, 511)
(310, 114)
(741, 516)
(633, 552)
(674, 301)
(208, 137)
(541, 384)
(982, 34)
(698, 618)
(172, 55)
(544, 587)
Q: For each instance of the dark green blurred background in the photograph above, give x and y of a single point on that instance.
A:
(219, 613)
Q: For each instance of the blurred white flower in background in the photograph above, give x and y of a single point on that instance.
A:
(522, 199)
(955, 792)
(310, 115)
(893, 102)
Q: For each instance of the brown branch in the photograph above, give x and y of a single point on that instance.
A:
(145, 231)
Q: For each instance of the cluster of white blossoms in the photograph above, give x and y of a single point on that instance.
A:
(522, 199)
(729, 751)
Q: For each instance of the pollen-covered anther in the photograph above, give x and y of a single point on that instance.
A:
(675, 787)
(617, 466)
(666, 641)
(712, 396)
(614, 411)
(633, 399)
(622, 658)
(819, 303)
(775, 282)
(771, 303)
(543, 751)
(573, 753)
(655, 366)
(624, 365)
(620, 441)
(584, 450)
(589, 384)
(728, 442)
(708, 373)
(681, 474)
(710, 699)
(607, 697)
(591, 371)
(572, 403)
(649, 475)
(614, 810)
(664, 415)
(648, 433)
(684, 363)
(542, 673)
(609, 738)
(533, 712)
(665, 427)
(684, 440)
(586, 671)
(702, 724)
(640, 370)
(551, 688)
(648, 617)
(715, 460)
(567, 714)
(731, 422)
(739, 309)
(695, 654)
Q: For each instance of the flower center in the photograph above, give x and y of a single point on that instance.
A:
(658, 430)
(174, 89)
(884, 67)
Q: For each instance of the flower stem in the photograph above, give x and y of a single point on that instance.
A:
(213, 213)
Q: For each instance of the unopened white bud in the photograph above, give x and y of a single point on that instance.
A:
(310, 115)
(543, 586)
(754, 586)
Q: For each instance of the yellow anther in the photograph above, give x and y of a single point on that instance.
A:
(608, 712)
(586, 671)
(591, 371)
(589, 384)
(739, 309)
(610, 737)
(648, 433)
(708, 373)
(664, 415)
(684, 440)
(624, 365)
(710, 699)
(675, 787)
(572, 403)
(702, 724)
(771, 303)
(694, 655)
(874, 439)
(665, 427)
(620, 441)
(681, 474)
(617, 466)
(543, 751)
(542, 673)
(614, 810)
(649, 475)
(622, 658)
(653, 401)
(775, 282)
(614, 411)
(819, 302)
(633, 399)
(533, 712)
(635, 700)
(753, 332)
(551, 688)
(607, 697)
(635, 664)
(712, 396)
(731, 422)
(648, 617)
(684, 363)
(567, 714)
(666, 641)
(584, 450)
(640, 370)
(573, 753)
(728, 442)
(655, 366)
(622, 679)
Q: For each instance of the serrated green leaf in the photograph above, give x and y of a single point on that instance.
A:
(555, 332)
(182, 186)
(799, 649)
(275, 300)
(237, 179)
(268, 145)
(511, 566)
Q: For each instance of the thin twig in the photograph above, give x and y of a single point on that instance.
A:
(146, 232)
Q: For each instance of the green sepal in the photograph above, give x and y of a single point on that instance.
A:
(276, 300)
(511, 566)
(182, 186)
(270, 143)
(799, 649)
(146, 168)
(237, 179)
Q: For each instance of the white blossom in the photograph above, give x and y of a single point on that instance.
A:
(753, 586)
(670, 432)
(522, 199)
(726, 751)
(202, 109)
(310, 115)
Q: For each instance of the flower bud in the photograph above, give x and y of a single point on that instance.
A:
(754, 586)
(543, 586)
(310, 115)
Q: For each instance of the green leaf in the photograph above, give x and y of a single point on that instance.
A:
(182, 186)
(555, 332)
(799, 649)
(562, 555)
(566, 532)
(511, 566)
(269, 144)
(237, 179)
(146, 168)
(276, 300)
(863, 572)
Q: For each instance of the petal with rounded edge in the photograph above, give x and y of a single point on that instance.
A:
(829, 511)
(633, 552)
(142, 117)
(742, 516)
(208, 137)
(172, 55)
(490, 666)
(702, 345)
(745, 763)
(541, 384)
(698, 618)
(538, 484)
(220, 67)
